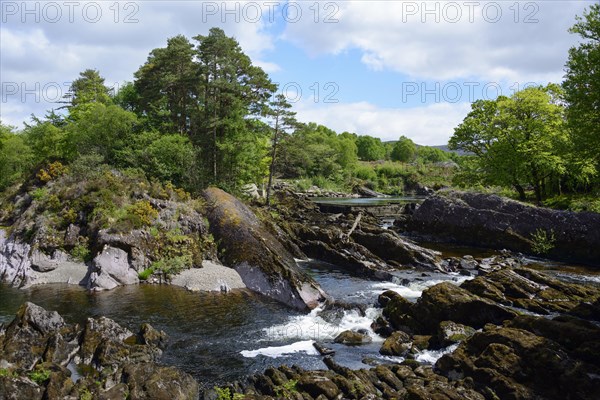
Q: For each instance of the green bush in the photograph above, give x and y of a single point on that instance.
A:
(542, 242)
(39, 194)
(141, 213)
(366, 173)
(39, 376)
(81, 252)
(173, 265)
(145, 274)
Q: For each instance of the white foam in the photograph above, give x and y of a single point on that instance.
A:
(431, 356)
(415, 289)
(312, 326)
(305, 346)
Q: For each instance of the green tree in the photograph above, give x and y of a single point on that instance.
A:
(370, 148)
(102, 130)
(167, 87)
(282, 119)
(582, 85)
(232, 90)
(516, 141)
(46, 140)
(164, 157)
(86, 90)
(16, 157)
(428, 154)
(404, 150)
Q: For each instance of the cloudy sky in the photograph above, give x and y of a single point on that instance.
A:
(383, 68)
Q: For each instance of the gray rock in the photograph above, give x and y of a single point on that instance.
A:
(251, 190)
(15, 263)
(43, 262)
(72, 235)
(493, 221)
(111, 269)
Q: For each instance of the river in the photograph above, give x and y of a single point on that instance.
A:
(220, 337)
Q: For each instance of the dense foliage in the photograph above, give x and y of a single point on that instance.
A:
(199, 113)
(544, 140)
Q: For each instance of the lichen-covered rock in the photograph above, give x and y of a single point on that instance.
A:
(531, 290)
(353, 338)
(450, 332)
(151, 381)
(261, 260)
(37, 346)
(398, 344)
(512, 363)
(381, 382)
(367, 250)
(442, 302)
(445, 301)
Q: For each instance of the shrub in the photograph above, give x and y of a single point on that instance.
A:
(52, 171)
(39, 194)
(141, 213)
(81, 252)
(542, 242)
(39, 376)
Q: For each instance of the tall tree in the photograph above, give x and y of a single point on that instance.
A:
(15, 156)
(167, 86)
(282, 119)
(232, 89)
(370, 148)
(88, 89)
(582, 85)
(516, 141)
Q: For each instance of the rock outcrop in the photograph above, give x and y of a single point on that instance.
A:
(492, 221)
(367, 250)
(22, 266)
(110, 269)
(527, 360)
(382, 382)
(39, 351)
(261, 260)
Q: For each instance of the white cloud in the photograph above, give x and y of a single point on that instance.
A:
(402, 36)
(427, 125)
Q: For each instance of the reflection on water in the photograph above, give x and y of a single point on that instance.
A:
(206, 330)
(368, 201)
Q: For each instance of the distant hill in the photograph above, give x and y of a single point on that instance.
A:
(443, 147)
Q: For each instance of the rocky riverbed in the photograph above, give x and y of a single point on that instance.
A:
(389, 318)
(539, 339)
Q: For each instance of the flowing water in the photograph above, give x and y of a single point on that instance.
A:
(368, 201)
(219, 337)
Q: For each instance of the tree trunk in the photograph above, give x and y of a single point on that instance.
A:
(272, 166)
(520, 190)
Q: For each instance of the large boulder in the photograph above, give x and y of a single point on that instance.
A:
(493, 221)
(38, 350)
(24, 266)
(442, 302)
(531, 290)
(261, 260)
(448, 302)
(111, 269)
(514, 363)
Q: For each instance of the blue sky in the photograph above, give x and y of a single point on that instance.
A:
(383, 68)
